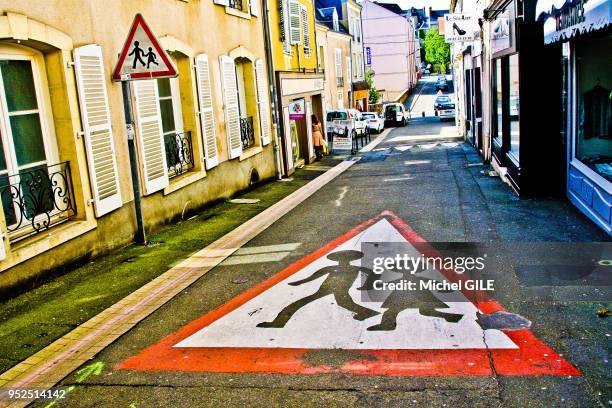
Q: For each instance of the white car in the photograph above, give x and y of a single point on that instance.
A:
(346, 121)
(395, 114)
(375, 122)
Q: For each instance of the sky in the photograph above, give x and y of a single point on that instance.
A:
(436, 4)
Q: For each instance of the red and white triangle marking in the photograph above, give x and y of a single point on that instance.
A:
(137, 64)
(228, 339)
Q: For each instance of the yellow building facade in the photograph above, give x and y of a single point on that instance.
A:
(299, 81)
(65, 183)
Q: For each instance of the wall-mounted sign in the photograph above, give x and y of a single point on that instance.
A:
(500, 32)
(297, 110)
(571, 17)
(368, 52)
(460, 28)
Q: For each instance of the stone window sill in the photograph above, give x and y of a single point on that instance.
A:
(44, 241)
(250, 152)
(181, 181)
(237, 13)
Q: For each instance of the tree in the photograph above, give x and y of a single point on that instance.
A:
(373, 94)
(437, 52)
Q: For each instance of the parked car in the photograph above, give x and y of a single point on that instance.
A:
(375, 122)
(445, 108)
(441, 84)
(345, 122)
(394, 114)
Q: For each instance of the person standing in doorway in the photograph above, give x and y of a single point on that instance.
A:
(317, 137)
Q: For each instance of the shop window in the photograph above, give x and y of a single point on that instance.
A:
(30, 175)
(514, 101)
(498, 102)
(594, 105)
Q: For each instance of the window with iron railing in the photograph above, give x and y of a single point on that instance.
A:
(339, 81)
(36, 199)
(247, 132)
(179, 153)
(236, 4)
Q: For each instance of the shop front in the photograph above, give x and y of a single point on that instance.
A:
(300, 96)
(360, 96)
(525, 118)
(583, 29)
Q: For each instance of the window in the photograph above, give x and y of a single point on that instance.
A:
(514, 106)
(321, 57)
(349, 75)
(30, 175)
(498, 101)
(284, 26)
(179, 155)
(338, 61)
(247, 103)
(594, 106)
(340, 100)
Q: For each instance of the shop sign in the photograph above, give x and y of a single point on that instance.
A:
(297, 110)
(563, 21)
(459, 28)
(368, 52)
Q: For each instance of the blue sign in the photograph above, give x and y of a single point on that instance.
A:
(368, 55)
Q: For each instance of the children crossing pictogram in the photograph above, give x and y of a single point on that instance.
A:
(136, 63)
(318, 304)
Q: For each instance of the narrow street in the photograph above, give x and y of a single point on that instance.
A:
(420, 181)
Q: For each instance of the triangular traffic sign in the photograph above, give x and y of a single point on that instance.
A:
(273, 326)
(142, 57)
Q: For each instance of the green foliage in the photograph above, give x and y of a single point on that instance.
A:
(437, 52)
(373, 94)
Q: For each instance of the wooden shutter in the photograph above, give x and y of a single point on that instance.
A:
(232, 112)
(254, 5)
(338, 56)
(262, 102)
(207, 115)
(349, 74)
(98, 133)
(295, 34)
(305, 30)
(150, 136)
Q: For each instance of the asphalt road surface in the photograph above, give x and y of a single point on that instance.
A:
(306, 337)
(424, 95)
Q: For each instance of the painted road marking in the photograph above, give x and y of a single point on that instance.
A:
(248, 334)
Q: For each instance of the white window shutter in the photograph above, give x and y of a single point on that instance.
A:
(262, 102)
(98, 133)
(207, 115)
(338, 56)
(348, 70)
(295, 15)
(232, 112)
(150, 136)
(254, 5)
(2, 247)
(222, 2)
(305, 30)
(284, 13)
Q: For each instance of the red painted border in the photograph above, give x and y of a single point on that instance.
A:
(171, 72)
(531, 358)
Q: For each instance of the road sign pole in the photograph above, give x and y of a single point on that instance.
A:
(141, 237)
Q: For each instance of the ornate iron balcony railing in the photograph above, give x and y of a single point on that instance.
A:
(36, 199)
(236, 4)
(179, 153)
(340, 81)
(247, 132)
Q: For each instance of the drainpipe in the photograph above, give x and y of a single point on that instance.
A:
(273, 93)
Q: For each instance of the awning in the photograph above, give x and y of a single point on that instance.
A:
(564, 19)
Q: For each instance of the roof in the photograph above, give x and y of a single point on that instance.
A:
(395, 8)
(324, 15)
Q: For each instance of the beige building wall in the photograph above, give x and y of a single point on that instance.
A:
(51, 30)
(328, 41)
